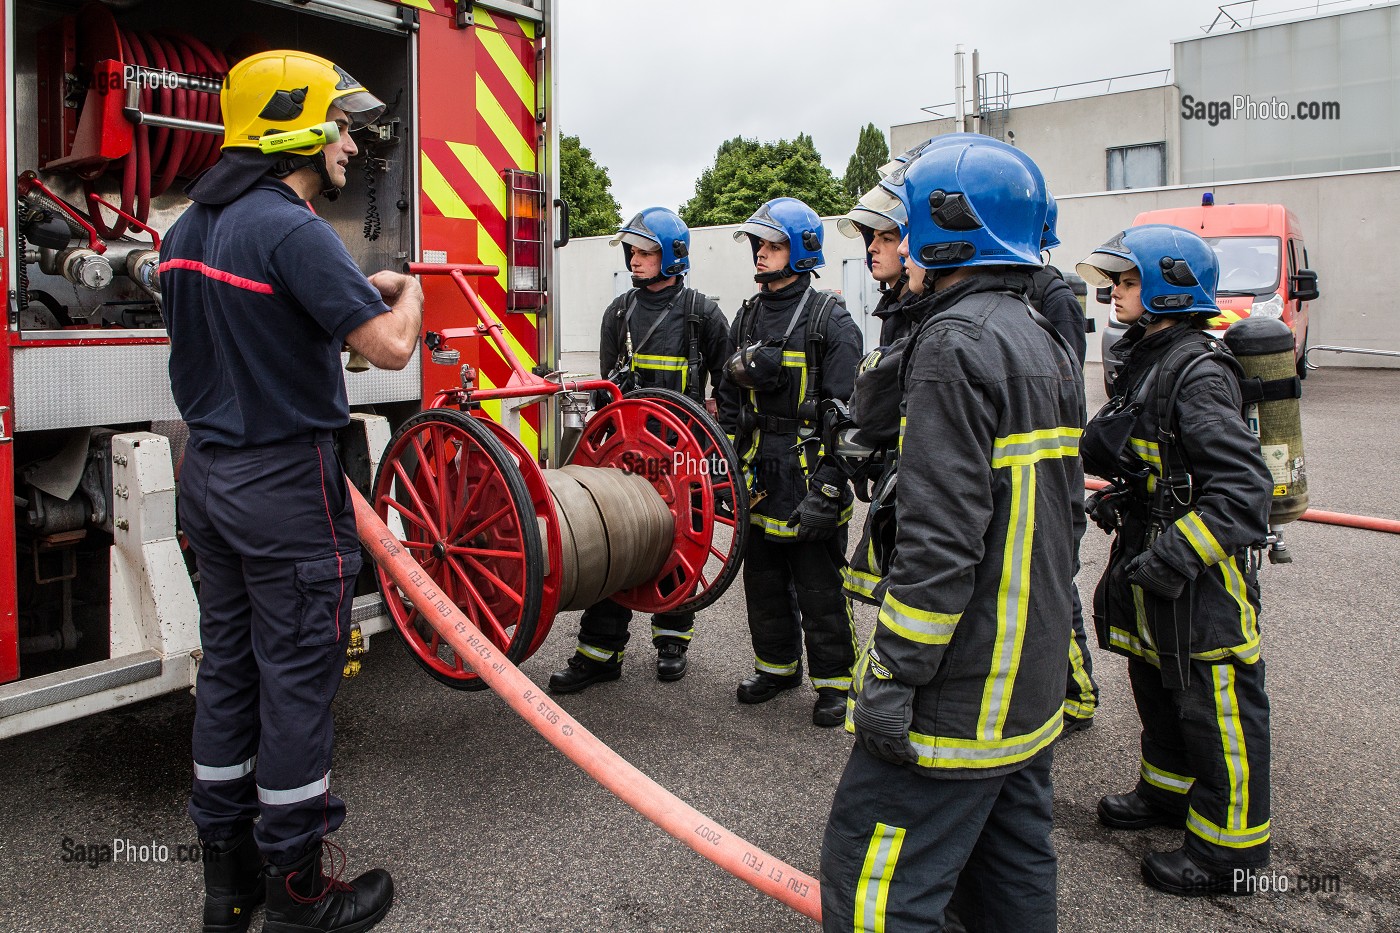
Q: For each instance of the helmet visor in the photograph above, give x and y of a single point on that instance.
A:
(761, 230)
(877, 209)
(362, 107)
(1098, 268)
(636, 233)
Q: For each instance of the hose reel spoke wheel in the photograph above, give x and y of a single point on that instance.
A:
(468, 518)
(670, 440)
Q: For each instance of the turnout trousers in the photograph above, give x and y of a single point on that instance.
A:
(899, 843)
(793, 591)
(602, 632)
(1205, 756)
(1081, 690)
(273, 534)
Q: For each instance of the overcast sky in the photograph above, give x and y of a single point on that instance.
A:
(652, 87)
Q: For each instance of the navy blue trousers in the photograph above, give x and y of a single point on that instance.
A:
(273, 534)
(899, 845)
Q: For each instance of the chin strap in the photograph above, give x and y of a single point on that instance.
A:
(764, 278)
(284, 167)
(639, 282)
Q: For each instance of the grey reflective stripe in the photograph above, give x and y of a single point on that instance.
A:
(872, 893)
(1012, 611)
(228, 773)
(1004, 751)
(282, 798)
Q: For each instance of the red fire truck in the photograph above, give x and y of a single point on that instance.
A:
(109, 108)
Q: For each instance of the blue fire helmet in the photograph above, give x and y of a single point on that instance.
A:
(657, 228)
(974, 201)
(1179, 269)
(787, 220)
(1051, 238)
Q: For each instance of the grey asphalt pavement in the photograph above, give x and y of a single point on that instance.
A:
(487, 828)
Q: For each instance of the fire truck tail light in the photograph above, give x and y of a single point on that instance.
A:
(525, 248)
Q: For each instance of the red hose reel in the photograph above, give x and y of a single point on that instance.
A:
(95, 126)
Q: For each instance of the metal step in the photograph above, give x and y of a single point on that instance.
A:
(61, 686)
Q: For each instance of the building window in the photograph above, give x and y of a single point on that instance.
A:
(1142, 166)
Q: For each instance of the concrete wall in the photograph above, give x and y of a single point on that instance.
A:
(1347, 219)
(1348, 228)
(1352, 58)
(1069, 139)
(720, 267)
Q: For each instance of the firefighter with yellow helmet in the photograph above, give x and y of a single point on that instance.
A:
(260, 296)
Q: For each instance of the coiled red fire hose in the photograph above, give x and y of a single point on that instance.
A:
(1365, 522)
(746, 862)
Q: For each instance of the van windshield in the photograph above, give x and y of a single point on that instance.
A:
(1249, 265)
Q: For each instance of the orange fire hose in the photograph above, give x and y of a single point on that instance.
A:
(1365, 522)
(746, 862)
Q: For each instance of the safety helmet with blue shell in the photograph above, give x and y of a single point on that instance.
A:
(877, 211)
(971, 202)
(1179, 270)
(786, 220)
(656, 228)
(1051, 237)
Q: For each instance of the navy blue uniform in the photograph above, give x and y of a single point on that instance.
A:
(260, 295)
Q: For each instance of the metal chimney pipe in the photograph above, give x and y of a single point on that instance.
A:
(960, 89)
(976, 91)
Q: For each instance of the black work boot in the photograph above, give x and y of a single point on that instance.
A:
(1130, 811)
(830, 708)
(670, 662)
(233, 884)
(1178, 872)
(762, 686)
(300, 899)
(583, 672)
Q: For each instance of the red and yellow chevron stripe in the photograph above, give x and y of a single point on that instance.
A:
(478, 94)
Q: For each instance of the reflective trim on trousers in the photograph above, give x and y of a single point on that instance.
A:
(229, 773)
(1245, 838)
(873, 887)
(282, 798)
(781, 670)
(670, 633)
(1165, 780)
(840, 683)
(599, 655)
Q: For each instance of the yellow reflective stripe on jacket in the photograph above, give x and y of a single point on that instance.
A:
(1248, 649)
(1027, 448)
(779, 528)
(919, 625)
(1084, 707)
(1231, 838)
(873, 888)
(858, 581)
(1166, 780)
(944, 752)
(1205, 545)
(1151, 454)
(1013, 599)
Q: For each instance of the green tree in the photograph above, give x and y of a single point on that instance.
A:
(746, 173)
(863, 171)
(585, 184)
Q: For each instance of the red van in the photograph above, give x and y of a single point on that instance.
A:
(1263, 267)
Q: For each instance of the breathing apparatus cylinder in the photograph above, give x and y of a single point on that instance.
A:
(1264, 348)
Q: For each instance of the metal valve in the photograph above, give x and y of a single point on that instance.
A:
(82, 266)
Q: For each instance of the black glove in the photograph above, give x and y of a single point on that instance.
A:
(884, 712)
(1153, 574)
(1102, 508)
(817, 517)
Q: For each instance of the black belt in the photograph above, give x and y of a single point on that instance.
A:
(772, 424)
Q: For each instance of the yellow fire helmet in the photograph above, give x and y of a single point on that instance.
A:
(289, 92)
